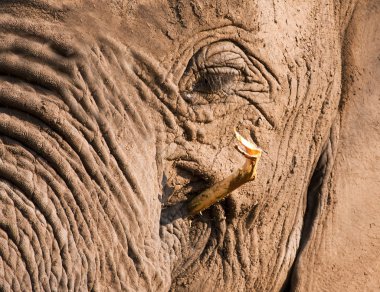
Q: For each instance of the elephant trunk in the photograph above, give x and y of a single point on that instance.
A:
(71, 164)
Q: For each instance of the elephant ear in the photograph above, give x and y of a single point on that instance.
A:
(340, 245)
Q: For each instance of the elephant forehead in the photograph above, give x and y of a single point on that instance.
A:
(157, 25)
(154, 25)
(159, 28)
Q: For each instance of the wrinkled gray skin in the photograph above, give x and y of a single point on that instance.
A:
(112, 114)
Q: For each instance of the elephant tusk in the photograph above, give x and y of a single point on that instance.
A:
(239, 177)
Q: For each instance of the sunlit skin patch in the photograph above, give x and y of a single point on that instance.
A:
(221, 189)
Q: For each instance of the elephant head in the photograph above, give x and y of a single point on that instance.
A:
(115, 113)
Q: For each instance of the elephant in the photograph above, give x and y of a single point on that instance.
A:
(113, 114)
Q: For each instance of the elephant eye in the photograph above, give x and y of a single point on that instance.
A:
(220, 72)
(214, 80)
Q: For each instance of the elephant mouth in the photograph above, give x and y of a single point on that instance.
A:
(192, 179)
(189, 180)
(195, 180)
(199, 231)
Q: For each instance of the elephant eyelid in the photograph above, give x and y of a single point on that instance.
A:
(221, 72)
(220, 78)
(212, 80)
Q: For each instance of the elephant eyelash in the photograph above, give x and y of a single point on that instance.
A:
(214, 80)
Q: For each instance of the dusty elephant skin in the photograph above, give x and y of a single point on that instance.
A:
(115, 113)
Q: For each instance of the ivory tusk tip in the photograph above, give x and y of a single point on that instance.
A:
(246, 147)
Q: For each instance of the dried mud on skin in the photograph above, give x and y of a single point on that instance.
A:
(113, 114)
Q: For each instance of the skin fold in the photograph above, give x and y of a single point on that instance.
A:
(115, 113)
